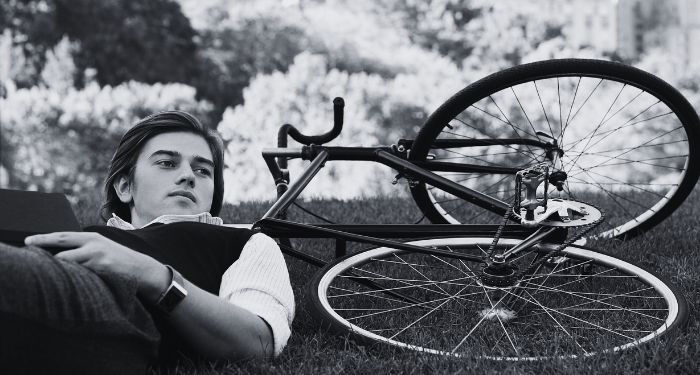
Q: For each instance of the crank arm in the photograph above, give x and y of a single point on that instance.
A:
(540, 234)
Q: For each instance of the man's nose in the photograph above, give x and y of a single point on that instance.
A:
(186, 176)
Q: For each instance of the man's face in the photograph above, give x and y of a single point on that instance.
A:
(174, 175)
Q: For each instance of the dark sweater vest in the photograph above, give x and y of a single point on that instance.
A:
(200, 252)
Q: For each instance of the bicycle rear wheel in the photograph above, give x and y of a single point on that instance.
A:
(627, 141)
(583, 304)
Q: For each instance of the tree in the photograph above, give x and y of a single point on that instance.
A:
(438, 25)
(232, 53)
(33, 29)
(148, 41)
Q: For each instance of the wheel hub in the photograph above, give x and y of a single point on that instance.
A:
(553, 150)
(499, 275)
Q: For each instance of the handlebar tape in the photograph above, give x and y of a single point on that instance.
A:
(287, 129)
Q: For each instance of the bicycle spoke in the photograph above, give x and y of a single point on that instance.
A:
(566, 123)
(556, 321)
(422, 274)
(626, 184)
(534, 131)
(571, 316)
(614, 195)
(367, 295)
(386, 311)
(544, 111)
(373, 291)
(506, 121)
(464, 339)
(425, 315)
(532, 156)
(500, 321)
(557, 310)
(586, 100)
(624, 161)
(628, 151)
(405, 286)
(606, 134)
(591, 300)
(588, 328)
(602, 121)
(561, 123)
(638, 147)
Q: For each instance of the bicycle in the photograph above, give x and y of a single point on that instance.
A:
(526, 290)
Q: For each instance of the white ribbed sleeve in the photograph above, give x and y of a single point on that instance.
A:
(259, 282)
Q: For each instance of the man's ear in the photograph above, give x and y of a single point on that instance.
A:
(122, 186)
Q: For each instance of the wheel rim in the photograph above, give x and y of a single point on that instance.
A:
(655, 302)
(625, 150)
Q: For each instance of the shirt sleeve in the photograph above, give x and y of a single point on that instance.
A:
(259, 282)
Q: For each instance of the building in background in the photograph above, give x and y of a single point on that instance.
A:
(686, 36)
(591, 23)
(633, 19)
(631, 27)
(673, 25)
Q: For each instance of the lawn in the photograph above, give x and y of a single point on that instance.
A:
(670, 249)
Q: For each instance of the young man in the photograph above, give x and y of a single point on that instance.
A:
(163, 274)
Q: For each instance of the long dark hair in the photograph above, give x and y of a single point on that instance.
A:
(124, 160)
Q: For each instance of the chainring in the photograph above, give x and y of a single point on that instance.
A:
(579, 214)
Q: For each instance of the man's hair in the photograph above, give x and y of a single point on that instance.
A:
(124, 160)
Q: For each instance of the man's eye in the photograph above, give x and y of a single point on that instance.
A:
(166, 163)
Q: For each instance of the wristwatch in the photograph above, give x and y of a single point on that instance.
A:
(173, 294)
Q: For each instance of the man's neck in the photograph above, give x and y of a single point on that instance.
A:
(138, 222)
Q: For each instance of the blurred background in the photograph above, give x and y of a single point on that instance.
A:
(75, 74)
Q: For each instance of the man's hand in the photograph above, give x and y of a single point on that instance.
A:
(99, 253)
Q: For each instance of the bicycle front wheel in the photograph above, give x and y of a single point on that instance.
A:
(627, 141)
(584, 303)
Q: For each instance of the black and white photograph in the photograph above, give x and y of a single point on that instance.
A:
(349, 186)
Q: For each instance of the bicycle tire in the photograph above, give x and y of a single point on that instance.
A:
(627, 291)
(639, 161)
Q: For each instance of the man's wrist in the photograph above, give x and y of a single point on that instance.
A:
(173, 294)
(157, 281)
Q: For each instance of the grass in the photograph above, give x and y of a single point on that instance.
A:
(671, 249)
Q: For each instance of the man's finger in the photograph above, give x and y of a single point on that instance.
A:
(60, 239)
(79, 255)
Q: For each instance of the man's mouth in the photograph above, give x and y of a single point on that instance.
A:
(185, 194)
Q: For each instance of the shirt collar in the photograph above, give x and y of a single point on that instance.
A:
(204, 217)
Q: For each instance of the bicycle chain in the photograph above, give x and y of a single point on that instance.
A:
(554, 252)
(496, 237)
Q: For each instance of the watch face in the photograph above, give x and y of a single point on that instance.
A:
(175, 294)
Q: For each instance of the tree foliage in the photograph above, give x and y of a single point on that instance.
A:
(81, 71)
(63, 141)
(378, 111)
(438, 25)
(148, 41)
(231, 54)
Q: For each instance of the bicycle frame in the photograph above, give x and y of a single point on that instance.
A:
(394, 157)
